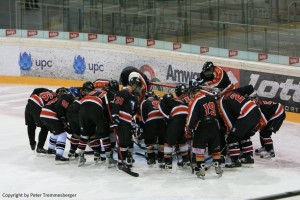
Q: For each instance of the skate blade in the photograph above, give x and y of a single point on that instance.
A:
(41, 155)
(201, 177)
(248, 165)
(62, 162)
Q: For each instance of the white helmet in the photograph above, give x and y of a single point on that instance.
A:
(133, 75)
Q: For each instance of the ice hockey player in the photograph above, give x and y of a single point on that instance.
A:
(73, 121)
(123, 109)
(93, 121)
(144, 80)
(153, 127)
(272, 117)
(38, 98)
(53, 116)
(215, 76)
(175, 111)
(203, 128)
(181, 92)
(241, 116)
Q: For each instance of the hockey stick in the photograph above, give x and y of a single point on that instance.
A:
(124, 167)
(191, 156)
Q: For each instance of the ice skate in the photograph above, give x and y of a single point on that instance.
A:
(110, 160)
(81, 159)
(99, 159)
(200, 171)
(151, 162)
(234, 165)
(61, 160)
(41, 152)
(51, 152)
(260, 151)
(218, 169)
(72, 154)
(248, 161)
(268, 155)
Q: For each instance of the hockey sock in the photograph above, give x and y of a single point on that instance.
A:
(61, 143)
(168, 150)
(42, 137)
(31, 134)
(268, 143)
(149, 148)
(160, 151)
(234, 151)
(216, 155)
(124, 153)
(184, 150)
(247, 148)
(52, 141)
(106, 144)
(74, 143)
(82, 142)
(95, 145)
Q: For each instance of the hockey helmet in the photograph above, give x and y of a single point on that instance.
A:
(168, 96)
(151, 94)
(113, 85)
(208, 68)
(75, 92)
(88, 86)
(134, 79)
(61, 91)
(180, 89)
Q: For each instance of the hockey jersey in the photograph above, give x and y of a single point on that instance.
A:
(171, 107)
(269, 111)
(233, 105)
(202, 108)
(41, 96)
(124, 105)
(149, 111)
(219, 79)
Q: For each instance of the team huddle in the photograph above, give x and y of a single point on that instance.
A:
(208, 117)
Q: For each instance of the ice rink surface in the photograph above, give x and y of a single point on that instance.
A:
(21, 171)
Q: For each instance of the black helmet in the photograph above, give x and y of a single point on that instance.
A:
(88, 86)
(113, 85)
(180, 89)
(135, 81)
(208, 68)
(168, 96)
(61, 91)
(150, 94)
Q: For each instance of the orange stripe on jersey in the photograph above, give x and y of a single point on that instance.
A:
(179, 110)
(93, 99)
(46, 113)
(125, 116)
(227, 89)
(278, 112)
(247, 107)
(218, 77)
(35, 98)
(155, 114)
(223, 115)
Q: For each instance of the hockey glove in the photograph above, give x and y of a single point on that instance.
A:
(116, 119)
(189, 134)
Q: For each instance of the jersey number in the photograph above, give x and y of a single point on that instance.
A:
(237, 97)
(210, 109)
(46, 96)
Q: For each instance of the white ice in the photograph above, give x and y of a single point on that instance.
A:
(21, 171)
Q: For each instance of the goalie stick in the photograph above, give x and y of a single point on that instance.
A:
(124, 167)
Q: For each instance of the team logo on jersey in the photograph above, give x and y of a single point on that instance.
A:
(79, 64)
(25, 61)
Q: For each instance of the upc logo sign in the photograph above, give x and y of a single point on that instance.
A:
(92, 36)
(204, 49)
(79, 64)
(73, 35)
(150, 43)
(53, 34)
(176, 46)
(25, 61)
(111, 38)
(293, 60)
(129, 40)
(31, 33)
(262, 56)
(10, 32)
(232, 53)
